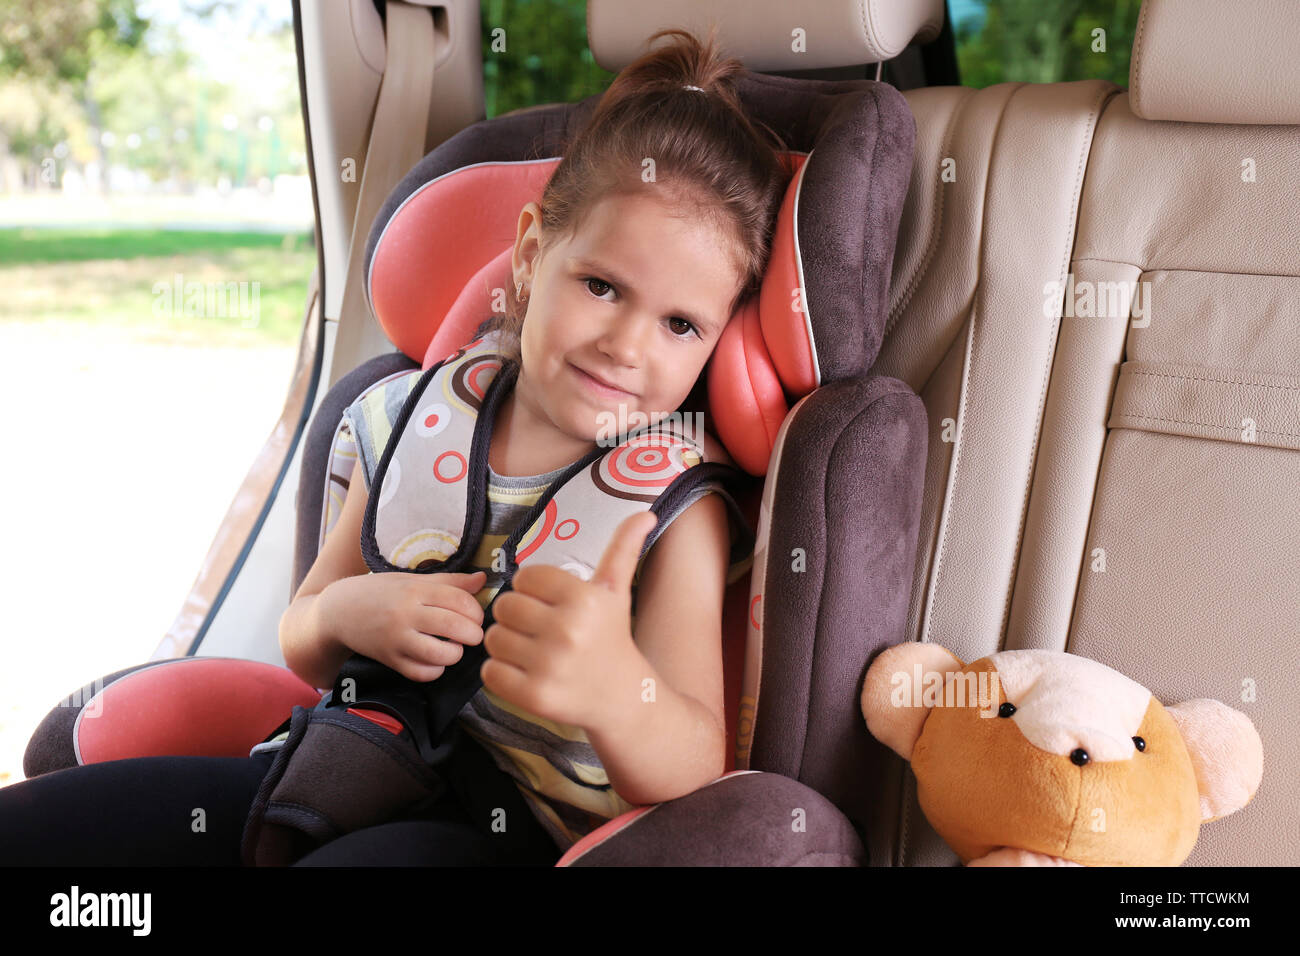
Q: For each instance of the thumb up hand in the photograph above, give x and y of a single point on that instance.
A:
(560, 646)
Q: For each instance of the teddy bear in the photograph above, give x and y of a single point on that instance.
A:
(1044, 758)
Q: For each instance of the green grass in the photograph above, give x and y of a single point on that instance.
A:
(124, 278)
(24, 245)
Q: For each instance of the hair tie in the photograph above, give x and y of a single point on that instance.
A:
(689, 87)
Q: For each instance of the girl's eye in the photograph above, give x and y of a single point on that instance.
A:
(599, 282)
(605, 288)
(689, 328)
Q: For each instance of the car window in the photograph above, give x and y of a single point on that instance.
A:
(1043, 41)
(536, 53)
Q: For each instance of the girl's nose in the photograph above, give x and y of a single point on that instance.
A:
(624, 342)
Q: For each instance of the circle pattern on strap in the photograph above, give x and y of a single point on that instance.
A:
(450, 467)
(642, 468)
(432, 419)
(539, 532)
(425, 547)
(469, 381)
(578, 570)
(392, 478)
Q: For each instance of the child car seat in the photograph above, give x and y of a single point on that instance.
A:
(837, 520)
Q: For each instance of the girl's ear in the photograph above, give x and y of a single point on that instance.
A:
(528, 245)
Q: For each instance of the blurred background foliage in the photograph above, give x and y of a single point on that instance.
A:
(1043, 41)
(546, 58)
(111, 83)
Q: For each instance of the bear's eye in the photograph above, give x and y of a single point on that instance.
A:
(1139, 743)
(1079, 756)
(1006, 710)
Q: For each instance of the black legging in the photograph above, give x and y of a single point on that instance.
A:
(141, 812)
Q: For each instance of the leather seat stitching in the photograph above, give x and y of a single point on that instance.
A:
(936, 225)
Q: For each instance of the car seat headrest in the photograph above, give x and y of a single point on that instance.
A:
(1206, 61)
(437, 259)
(766, 35)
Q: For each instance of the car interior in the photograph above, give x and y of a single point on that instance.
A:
(1038, 425)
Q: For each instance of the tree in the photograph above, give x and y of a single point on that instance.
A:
(58, 44)
(545, 57)
(1033, 41)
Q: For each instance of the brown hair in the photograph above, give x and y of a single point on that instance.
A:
(705, 148)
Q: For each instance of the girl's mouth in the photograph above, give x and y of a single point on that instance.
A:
(598, 387)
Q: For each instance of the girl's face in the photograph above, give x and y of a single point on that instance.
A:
(638, 299)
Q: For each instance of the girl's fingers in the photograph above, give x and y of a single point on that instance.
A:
(428, 650)
(452, 598)
(510, 647)
(521, 612)
(504, 679)
(440, 622)
(418, 671)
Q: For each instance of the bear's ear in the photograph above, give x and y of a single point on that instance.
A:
(1226, 753)
(892, 699)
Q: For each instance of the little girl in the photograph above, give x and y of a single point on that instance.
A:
(653, 229)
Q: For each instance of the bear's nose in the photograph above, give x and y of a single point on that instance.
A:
(1079, 756)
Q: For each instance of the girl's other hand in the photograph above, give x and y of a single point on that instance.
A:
(417, 624)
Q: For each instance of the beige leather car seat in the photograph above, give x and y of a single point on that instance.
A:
(1120, 482)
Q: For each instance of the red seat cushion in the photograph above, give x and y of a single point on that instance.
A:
(199, 706)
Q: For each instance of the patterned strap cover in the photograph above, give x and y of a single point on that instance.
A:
(438, 431)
